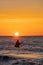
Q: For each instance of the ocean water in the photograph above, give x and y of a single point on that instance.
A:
(29, 53)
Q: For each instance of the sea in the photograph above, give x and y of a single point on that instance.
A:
(30, 51)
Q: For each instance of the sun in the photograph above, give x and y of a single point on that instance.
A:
(16, 33)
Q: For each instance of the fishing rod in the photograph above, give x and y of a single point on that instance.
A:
(22, 43)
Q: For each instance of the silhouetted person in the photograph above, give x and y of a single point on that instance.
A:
(17, 43)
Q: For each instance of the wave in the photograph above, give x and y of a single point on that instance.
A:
(19, 61)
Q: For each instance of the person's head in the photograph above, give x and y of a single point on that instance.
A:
(17, 40)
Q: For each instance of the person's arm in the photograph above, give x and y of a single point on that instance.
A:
(22, 42)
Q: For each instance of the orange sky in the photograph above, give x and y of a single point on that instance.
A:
(23, 16)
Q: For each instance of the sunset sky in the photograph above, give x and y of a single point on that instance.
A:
(23, 16)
